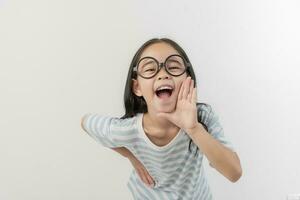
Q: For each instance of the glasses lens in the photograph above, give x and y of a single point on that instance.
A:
(175, 65)
(147, 67)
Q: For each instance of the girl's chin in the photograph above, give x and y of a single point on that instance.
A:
(165, 108)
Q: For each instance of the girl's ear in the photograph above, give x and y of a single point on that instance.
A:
(136, 88)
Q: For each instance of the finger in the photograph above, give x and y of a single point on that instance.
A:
(191, 91)
(184, 92)
(186, 88)
(189, 96)
(189, 88)
(194, 96)
(192, 86)
(150, 179)
(180, 91)
(148, 182)
(147, 175)
(143, 178)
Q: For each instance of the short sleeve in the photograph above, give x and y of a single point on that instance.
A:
(110, 132)
(214, 126)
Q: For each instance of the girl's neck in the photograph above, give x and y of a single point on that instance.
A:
(158, 123)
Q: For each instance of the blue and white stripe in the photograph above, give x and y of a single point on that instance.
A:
(178, 173)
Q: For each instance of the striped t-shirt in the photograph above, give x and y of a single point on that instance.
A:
(178, 173)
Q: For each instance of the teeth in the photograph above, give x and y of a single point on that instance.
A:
(164, 87)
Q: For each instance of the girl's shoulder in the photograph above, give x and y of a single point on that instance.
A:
(204, 112)
(204, 107)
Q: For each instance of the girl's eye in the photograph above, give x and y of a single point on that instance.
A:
(149, 70)
(174, 68)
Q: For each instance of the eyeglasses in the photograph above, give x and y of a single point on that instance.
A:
(148, 67)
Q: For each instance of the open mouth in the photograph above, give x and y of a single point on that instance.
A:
(164, 92)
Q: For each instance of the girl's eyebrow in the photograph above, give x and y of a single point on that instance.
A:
(147, 62)
(175, 60)
(151, 60)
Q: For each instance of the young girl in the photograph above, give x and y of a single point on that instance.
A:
(165, 133)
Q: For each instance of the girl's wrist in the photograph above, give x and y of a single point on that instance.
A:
(194, 130)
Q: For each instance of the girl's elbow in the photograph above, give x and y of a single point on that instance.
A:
(82, 123)
(237, 172)
(237, 175)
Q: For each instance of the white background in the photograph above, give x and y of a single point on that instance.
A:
(62, 59)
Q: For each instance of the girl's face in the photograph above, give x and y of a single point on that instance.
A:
(148, 88)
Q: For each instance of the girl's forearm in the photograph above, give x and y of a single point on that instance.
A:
(123, 151)
(222, 159)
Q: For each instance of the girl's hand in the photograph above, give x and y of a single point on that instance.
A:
(142, 171)
(185, 114)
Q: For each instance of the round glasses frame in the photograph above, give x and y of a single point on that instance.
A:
(161, 65)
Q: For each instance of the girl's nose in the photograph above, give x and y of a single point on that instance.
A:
(162, 74)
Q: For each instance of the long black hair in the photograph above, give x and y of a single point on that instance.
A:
(134, 104)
